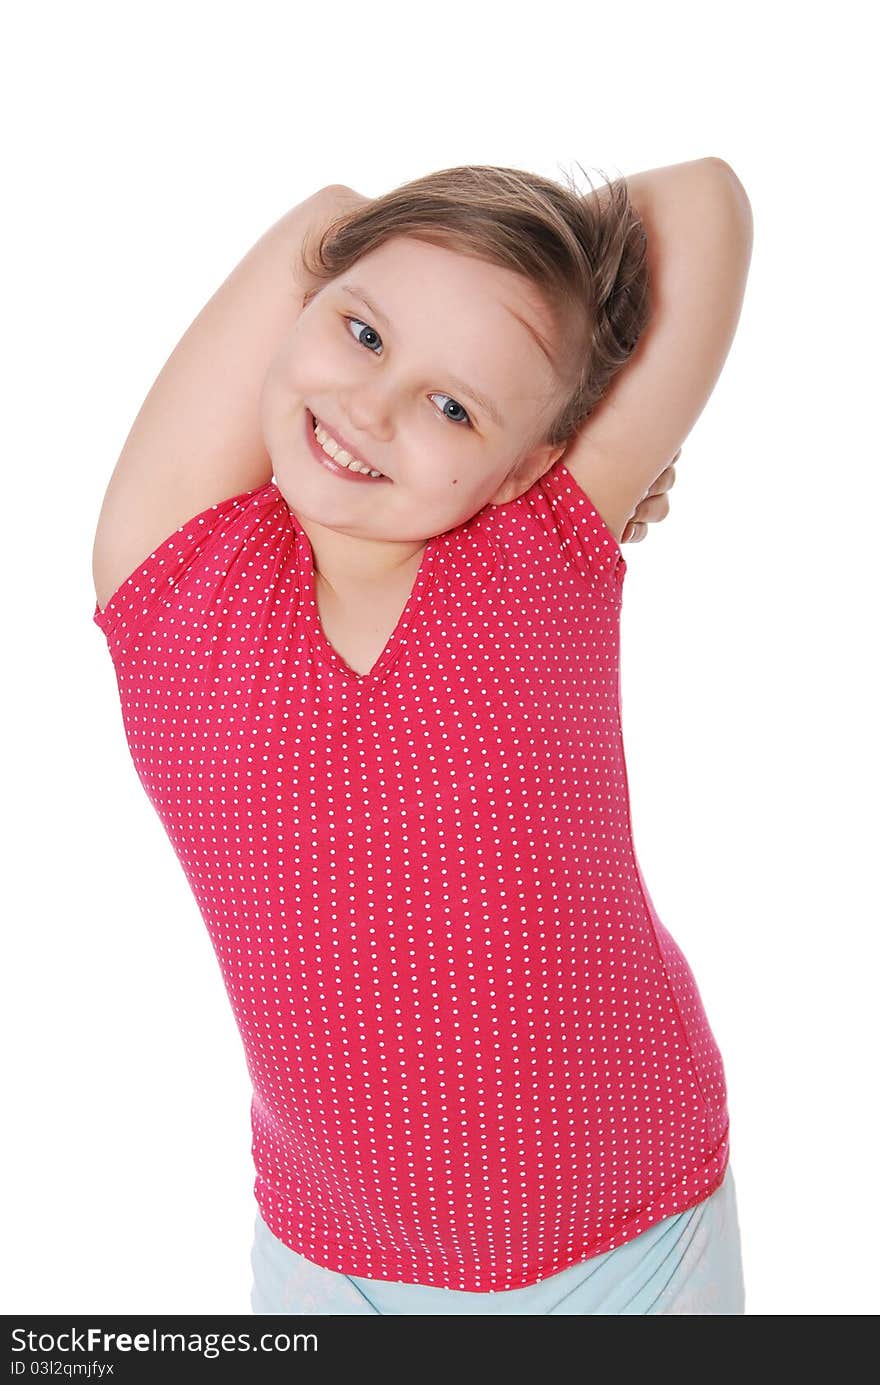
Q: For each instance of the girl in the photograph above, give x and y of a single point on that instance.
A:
(360, 575)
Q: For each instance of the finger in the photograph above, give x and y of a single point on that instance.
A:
(652, 509)
(634, 532)
(664, 482)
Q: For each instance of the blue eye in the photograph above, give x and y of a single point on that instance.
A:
(365, 328)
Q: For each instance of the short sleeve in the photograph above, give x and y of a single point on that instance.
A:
(187, 564)
(571, 520)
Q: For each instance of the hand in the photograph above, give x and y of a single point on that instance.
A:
(654, 506)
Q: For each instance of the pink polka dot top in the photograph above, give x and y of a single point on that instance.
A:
(477, 1054)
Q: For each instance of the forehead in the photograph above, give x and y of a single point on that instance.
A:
(445, 275)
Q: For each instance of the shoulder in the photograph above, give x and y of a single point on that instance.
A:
(611, 492)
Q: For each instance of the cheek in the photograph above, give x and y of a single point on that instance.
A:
(279, 386)
(304, 360)
(269, 402)
(450, 482)
(459, 495)
(280, 408)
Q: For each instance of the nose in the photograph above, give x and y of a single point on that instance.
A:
(369, 409)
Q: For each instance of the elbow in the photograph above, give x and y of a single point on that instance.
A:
(737, 199)
(724, 170)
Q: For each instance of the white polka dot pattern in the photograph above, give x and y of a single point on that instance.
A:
(477, 1055)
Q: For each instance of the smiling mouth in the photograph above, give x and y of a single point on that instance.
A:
(337, 457)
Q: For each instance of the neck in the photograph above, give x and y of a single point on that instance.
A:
(353, 566)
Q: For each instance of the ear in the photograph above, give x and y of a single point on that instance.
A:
(526, 473)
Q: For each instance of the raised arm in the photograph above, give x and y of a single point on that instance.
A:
(698, 222)
(197, 438)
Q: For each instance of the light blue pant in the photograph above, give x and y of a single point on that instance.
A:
(688, 1263)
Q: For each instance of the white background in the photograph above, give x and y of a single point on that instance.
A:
(146, 149)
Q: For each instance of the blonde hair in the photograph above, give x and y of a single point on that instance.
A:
(586, 255)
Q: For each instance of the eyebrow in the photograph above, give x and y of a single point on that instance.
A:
(355, 291)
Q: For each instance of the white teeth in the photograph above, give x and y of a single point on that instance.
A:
(339, 454)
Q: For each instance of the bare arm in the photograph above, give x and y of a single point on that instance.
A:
(699, 227)
(197, 438)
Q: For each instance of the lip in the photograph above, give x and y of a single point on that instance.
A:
(319, 453)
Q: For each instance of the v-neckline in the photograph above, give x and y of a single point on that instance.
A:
(397, 638)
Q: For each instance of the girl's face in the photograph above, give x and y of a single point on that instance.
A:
(438, 383)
